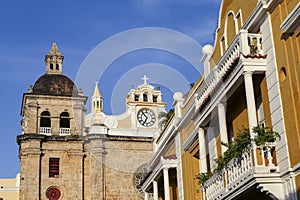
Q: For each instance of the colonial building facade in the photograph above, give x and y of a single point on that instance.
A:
(250, 79)
(67, 155)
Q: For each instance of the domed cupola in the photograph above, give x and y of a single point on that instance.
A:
(53, 82)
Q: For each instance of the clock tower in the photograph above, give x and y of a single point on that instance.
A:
(145, 104)
(121, 145)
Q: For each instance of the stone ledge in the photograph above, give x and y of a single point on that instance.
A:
(43, 138)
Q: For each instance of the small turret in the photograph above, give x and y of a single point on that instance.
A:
(97, 100)
(54, 61)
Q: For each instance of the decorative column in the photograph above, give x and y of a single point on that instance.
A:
(222, 125)
(166, 183)
(212, 147)
(202, 148)
(155, 190)
(250, 99)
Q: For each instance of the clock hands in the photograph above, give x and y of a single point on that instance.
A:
(146, 117)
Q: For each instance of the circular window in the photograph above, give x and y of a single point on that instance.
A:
(53, 193)
(140, 173)
(282, 74)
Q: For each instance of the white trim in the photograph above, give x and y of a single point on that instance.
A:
(163, 163)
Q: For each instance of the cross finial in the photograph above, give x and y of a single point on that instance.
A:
(145, 78)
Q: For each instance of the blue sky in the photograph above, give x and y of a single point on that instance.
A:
(28, 29)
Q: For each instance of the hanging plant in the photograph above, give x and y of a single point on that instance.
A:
(203, 177)
(240, 145)
(235, 148)
(265, 135)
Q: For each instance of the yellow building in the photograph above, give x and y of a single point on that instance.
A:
(9, 188)
(250, 79)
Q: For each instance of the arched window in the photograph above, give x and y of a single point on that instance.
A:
(136, 97)
(64, 121)
(57, 67)
(154, 98)
(45, 120)
(145, 97)
(51, 66)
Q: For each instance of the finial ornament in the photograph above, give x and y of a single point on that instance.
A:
(30, 90)
(54, 50)
(145, 78)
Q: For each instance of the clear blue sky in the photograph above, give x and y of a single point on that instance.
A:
(28, 29)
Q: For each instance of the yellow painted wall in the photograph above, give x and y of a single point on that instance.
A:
(171, 150)
(265, 101)
(227, 7)
(186, 131)
(237, 111)
(288, 56)
(190, 169)
(6, 184)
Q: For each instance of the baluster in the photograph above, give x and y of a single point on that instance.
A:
(226, 179)
(270, 157)
(263, 156)
(243, 163)
(259, 44)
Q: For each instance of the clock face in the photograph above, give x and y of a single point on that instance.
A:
(146, 117)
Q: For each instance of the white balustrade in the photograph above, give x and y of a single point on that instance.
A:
(239, 170)
(64, 131)
(226, 63)
(45, 130)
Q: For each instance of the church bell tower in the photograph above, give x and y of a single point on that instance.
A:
(51, 150)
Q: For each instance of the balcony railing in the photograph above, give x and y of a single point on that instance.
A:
(45, 130)
(245, 44)
(241, 170)
(64, 131)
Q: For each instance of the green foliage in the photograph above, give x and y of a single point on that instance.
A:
(234, 149)
(165, 116)
(203, 177)
(241, 144)
(264, 135)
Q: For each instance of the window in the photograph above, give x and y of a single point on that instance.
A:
(45, 120)
(54, 167)
(145, 97)
(57, 67)
(64, 121)
(136, 97)
(154, 98)
(51, 66)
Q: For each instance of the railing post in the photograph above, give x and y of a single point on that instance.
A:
(244, 41)
(270, 157)
(222, 125)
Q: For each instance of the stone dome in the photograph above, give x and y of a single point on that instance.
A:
(56, 85)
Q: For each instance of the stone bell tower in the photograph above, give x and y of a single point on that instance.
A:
(51, 150)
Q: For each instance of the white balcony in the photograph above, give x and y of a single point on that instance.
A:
(246, 48)
(45, 130)
(253, 168)
(64, 131)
